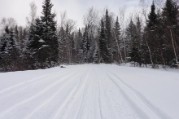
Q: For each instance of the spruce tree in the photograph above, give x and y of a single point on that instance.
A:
(152, 31)
(85, 45)
(103, 47)
(108, 35)
(170, 27)
(117, 48)
(79, 47)
(152, 18)
(36, 46)
(96, 56)
(43, 43)
(133, 36)
(9, 50)
(62, 41)
(49, 34)
(5, 38)
(108, 29)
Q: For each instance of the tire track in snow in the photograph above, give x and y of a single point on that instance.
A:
(2, 114)
(39, 78)
(99, 99)
(81, 90)
(105, 97)
(90, 82)
(25, 86)
(50, 99)
(68, 98)
(94, 94)
(143, 99)
(28, 91)
(130, 101)
(78, 115)
(99, 96)
(111, 98)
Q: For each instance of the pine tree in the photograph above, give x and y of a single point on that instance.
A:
(49, 34)
(137, 48)
(170, 26)
(3, 47)
(117, 43)
(152, 31)
(96, 56)
(36, 45)
(131, 36)
(152, 18)
(62, 41)
(43, 43)
(134, 39)
(108, 35)
(85, 45)
(103, 47)
(9, 50)
(80, 46)
(170, 12)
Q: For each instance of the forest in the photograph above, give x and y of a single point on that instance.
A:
(148, 39)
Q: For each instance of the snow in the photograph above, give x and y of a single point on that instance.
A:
(43, 46)
(90, 92)
(41, 41)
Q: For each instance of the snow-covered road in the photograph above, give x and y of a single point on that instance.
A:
(90, 92)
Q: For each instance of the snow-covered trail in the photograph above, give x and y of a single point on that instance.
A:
(89, 92)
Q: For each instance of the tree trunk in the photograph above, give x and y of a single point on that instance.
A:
(150, 53)
(125, 52)
(173, 45)
(118, 50)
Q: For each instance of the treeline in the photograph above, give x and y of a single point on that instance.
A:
(44, 44)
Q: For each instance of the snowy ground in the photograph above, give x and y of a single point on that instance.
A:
(90, 92)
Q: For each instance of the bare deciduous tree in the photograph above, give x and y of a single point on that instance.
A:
(33, 13)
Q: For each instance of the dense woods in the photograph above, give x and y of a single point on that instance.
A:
(43, 43)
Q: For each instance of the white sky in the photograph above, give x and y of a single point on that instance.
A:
(76, 9)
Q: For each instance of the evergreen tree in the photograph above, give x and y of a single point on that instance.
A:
(36, 45)
(134, 36)
(49, 34)
(80, 46)
(96, 56)
(137, 49)
(66, 45)
(5, 38)
(9, 50)
(85, 45)
(43, 43)
(108, 35)
(103, 47)
(152, 18)
(152, 31)
(170, 27)
(62, 41)
(117, 54)
(131, 36)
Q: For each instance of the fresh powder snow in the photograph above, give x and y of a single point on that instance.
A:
(90, 92)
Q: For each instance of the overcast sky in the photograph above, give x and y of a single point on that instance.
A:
(19, 9)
